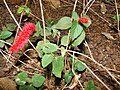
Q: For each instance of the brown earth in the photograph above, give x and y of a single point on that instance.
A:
(104, 50)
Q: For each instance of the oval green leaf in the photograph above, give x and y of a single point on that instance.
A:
(11, 26)
(21, 78)
(75, 15)
(80, 39)
(20, 10)
(68, 77)
(63, 23)
(37, 80)
(5, 34)
(90, 86)
(58, 65)
(76, 30)
(64, 40)
(49, 48)
(46, 60)
(79, 66)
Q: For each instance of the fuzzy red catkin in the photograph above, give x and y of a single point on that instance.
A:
(22, 37)
(83, 20)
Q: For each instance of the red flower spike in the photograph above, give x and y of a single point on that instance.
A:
(83, 20)
(22, 37)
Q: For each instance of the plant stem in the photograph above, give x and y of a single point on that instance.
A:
(43, 21)
(117, 17)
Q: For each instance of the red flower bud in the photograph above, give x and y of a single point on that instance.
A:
(22, 37)
(83, 20)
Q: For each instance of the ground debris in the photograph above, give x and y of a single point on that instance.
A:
(7, 84)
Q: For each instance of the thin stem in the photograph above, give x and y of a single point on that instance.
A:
(43, 21)
(22, 61)
(91, 72)
(73, 63)
(75, 5)
(81, 85)
(89, 6)
(117, 17)
(9, 60)
(35, 16)
(18, 27)
(6, 42)
(96, 76)
(85, 7)
(100, 64)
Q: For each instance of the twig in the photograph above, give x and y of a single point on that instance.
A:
(73, 63)
(43, 21)
(96, 76)
(86, 44)
(85, 7)
(18, 69)
(81, 85)
(117, 17)
(5, 42)
(35, 16)
(75, 5)
(92, 72)
(89, 6)
(9, 60)
(21, 61)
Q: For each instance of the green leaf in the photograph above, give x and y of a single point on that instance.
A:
(63, 23)
(27, 10)
(86, 25)
(2, 44)
(23, 8)
(58, 65)
(4, 28)
(21, 78)
(97, 88)
(80, 39)
(38, 28)
(75, 15)
(20, 10)
(116, 18)
(26, 87)
(48, 31)
(64, 40)
(38, 80)
(90, 86)
(11, 26)
(76, 30)
(68, 77)
(5, 34)
(46, 60)
(49, 48)
(39, 47)
(10, 40)
(79, 66)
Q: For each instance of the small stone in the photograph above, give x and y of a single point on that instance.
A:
(7, 84)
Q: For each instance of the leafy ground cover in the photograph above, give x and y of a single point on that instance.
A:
(76, 45)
